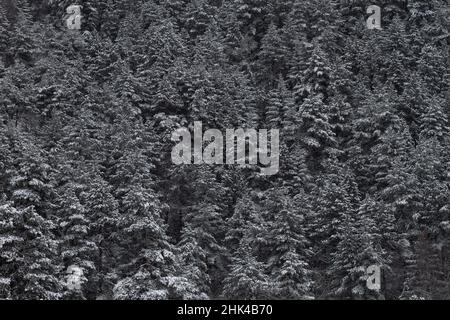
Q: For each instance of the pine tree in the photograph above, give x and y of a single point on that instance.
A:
(427, 278)
(194, 263)
(311, 18)
(288, 262)
(333, 201)
(316, 131)
(152, 279)
(247, 279)
(30, 263)
(199, 15)
(10, 244)
(23, 48)
(281, 108)
(434, 122)
(41, 263)
(92, 208)
(315, 78)
(433, 68)
(77, 249)
(362, 243)
(5, 35)
(273, 56)
(245, 216)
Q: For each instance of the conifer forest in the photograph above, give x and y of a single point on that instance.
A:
(93, 207)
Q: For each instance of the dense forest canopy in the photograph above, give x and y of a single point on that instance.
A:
(91, 206)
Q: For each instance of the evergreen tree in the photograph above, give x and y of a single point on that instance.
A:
(434, 122)
(273, 55)
(316, 131)
(288, 263)
(91, 206)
